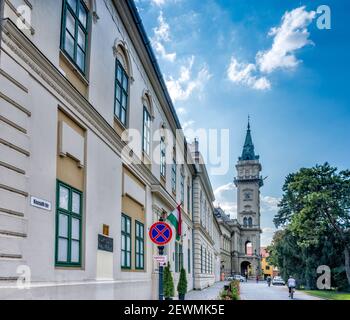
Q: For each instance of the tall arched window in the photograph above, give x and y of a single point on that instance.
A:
(250, 222)
(245, 222)
(75, 32)
(121, 86)
(163, 157)
(248, 248)
(147, 124)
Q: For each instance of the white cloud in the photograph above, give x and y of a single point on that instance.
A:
(225, 197)
(181, 111)
(162, 36)
(269, 203)
(182, 88)
(158, 2)
(289, 37)
(218, 192)
(267, 236)
(243, 73)
(268, 230)
(187, 125)
(229, 208)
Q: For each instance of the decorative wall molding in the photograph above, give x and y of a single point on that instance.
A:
(49, 76)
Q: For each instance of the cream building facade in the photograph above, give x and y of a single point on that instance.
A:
(203, 224)
(77, 194)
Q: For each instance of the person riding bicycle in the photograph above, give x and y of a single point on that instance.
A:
(291, 284)
(269, 279)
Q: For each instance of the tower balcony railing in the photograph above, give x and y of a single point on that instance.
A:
(252, 178)
(249, 177)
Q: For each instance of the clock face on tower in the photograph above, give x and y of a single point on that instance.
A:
(248, 195)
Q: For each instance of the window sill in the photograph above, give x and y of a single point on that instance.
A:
(120, 124)
(68, 267)
(74, 68)
(146, 159)
(126, 269)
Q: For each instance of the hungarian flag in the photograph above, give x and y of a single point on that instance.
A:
(176, 221)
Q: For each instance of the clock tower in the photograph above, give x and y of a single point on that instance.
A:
(248, 183)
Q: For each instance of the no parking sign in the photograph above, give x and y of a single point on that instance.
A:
(160, 233)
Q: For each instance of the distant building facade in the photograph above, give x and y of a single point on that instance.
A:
(267, 269)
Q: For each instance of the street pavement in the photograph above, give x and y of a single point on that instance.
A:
(261, 291)
(211, 293)
(250, 291)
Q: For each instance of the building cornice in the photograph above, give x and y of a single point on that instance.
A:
(199, 227)
(48, 75)
(164, 195)
(133, 24)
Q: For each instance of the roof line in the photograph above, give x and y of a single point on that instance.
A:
(152, 57)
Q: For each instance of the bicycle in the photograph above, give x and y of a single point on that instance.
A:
(291, 293)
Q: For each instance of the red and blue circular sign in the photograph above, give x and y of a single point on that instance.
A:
(160, 233)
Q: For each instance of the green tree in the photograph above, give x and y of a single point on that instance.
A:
(315, 213)
(182, 285)
(168, 283)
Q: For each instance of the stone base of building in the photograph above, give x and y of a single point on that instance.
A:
(88, 290)
(201, 283)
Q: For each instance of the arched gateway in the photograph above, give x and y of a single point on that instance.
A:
(246, 268)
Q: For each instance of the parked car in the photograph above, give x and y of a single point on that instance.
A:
(239, 278)
(278, 281)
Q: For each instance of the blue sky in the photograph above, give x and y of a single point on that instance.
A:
(222, 61)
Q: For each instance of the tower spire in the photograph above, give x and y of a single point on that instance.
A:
(248, 149)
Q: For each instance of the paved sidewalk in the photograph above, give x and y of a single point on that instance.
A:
(260, 291)
(211, 293)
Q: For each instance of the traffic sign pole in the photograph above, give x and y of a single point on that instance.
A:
(161, 234)
(161, 268)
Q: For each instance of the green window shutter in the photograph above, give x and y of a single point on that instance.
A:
(139, 246)
(121, 93)
(146, 141)
(125, 242)
(69, 215)
(74, 32)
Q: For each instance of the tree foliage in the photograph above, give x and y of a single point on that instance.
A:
(182, 285)
(168, 282)
(314, 216)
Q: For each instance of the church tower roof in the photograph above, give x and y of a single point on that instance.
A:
(248, 149)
